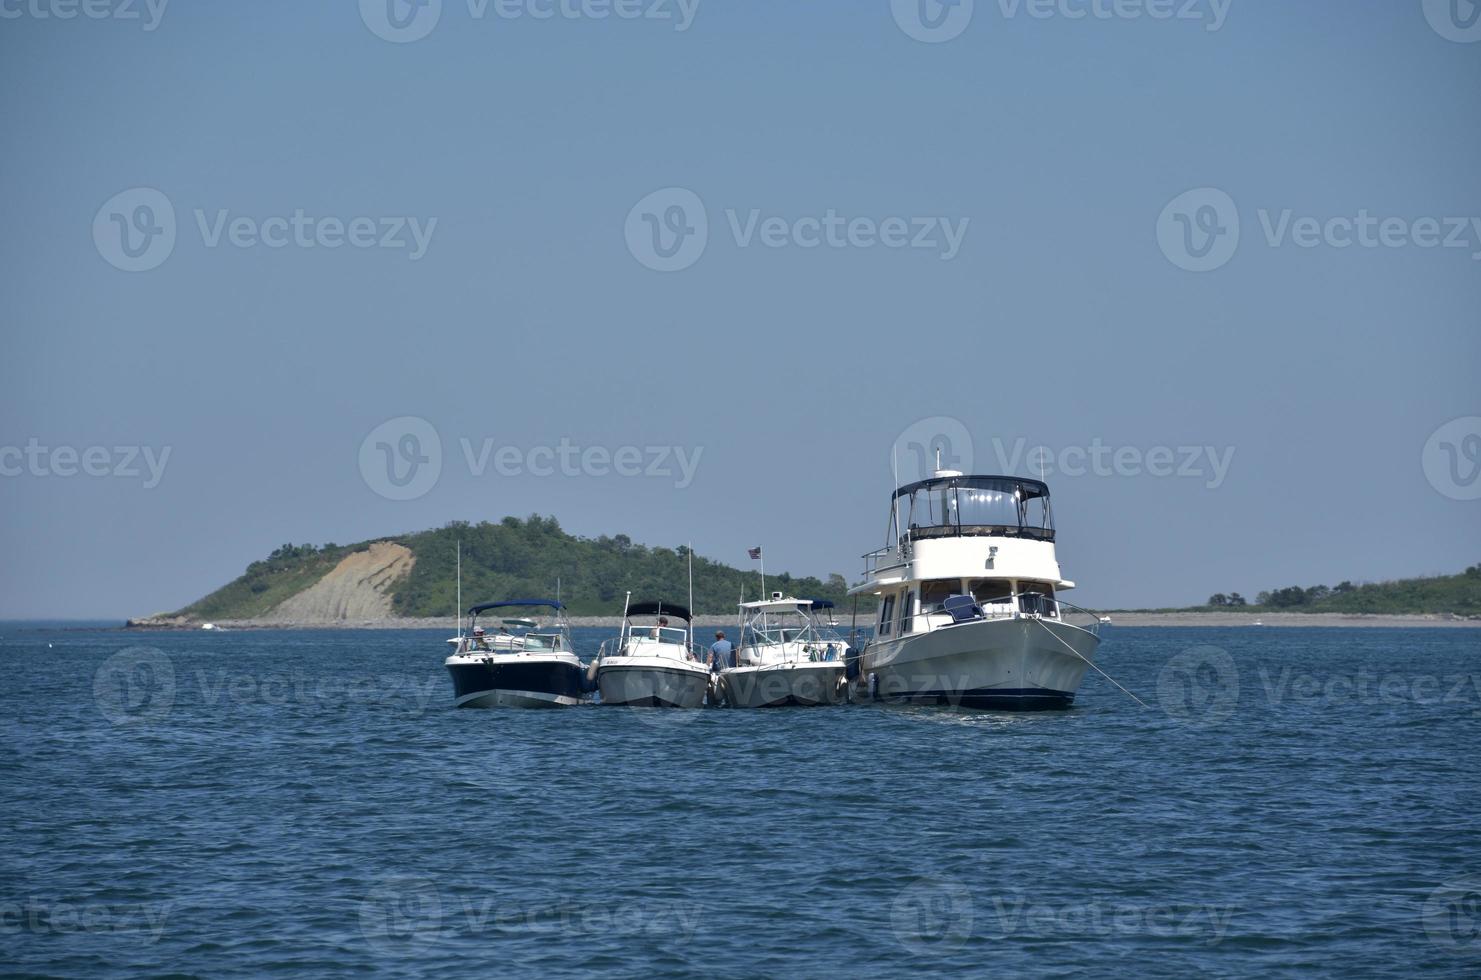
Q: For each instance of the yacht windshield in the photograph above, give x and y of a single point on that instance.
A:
(976, 505)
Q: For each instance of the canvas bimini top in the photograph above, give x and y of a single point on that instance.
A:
(659, 609)
(1026, 487)
(484, 607)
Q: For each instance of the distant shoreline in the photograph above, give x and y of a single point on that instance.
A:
(1291, 619)
(1123, 619)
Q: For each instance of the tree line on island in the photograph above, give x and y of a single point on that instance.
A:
(1458, 594)
(532, 557)
(524, 559)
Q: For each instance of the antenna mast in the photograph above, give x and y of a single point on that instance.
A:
(894, 498)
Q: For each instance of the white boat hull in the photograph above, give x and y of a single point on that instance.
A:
(652, 682)
(773, 685)
(1020, 663)
(515, 699)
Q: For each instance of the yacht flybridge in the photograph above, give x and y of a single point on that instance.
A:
(785, 657)
(969, 609)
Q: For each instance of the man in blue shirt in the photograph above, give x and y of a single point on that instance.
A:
(720, 653)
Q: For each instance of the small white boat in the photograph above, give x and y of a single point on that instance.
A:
(652, 665)
(522, 665)
(785, 657)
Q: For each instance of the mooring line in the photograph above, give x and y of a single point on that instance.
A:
(1097, 669)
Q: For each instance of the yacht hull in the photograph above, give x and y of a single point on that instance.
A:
(652, 683)
(774, 685)
(504, 681)
(1019, 664)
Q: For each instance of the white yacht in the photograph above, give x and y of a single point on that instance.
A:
(969, 609)
(784, 657)
(522, 664)
(652, 665)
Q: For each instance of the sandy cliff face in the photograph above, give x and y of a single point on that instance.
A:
(358, 588)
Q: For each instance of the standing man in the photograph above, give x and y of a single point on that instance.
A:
(720, 652)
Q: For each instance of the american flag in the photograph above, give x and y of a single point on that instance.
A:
(755, 552)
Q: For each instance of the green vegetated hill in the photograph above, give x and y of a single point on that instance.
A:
(1456, 594)
(517, 559)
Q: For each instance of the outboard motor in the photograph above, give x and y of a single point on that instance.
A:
(851, 666)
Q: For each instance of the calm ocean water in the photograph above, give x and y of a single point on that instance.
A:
(260, 803)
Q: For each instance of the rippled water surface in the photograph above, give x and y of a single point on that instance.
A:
(259, 803)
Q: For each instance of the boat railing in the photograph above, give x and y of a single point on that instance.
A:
(549, 640)
(1015, 604)
(926, 532)
(1066, 612)
(809, 645)
(667, 637)
(884, 558)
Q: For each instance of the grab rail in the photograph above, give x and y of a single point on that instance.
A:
(1038, 604)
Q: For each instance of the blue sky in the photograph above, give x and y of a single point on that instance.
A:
(1020, 169)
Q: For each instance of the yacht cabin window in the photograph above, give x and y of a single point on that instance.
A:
(936, 591)
(907, 606)
(886, 614)
(991, 591)
(1036, 597)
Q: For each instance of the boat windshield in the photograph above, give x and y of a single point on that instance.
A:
(772, 636)
(662, 634)
(976, 505)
